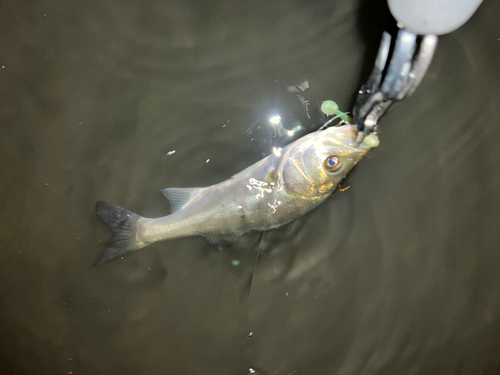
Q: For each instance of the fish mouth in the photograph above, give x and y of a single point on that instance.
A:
(346, 136)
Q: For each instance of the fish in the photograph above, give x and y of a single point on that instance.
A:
(269, 194)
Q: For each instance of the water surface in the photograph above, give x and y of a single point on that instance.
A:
(396, 275)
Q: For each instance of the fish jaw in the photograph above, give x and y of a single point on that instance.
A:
(345, 136)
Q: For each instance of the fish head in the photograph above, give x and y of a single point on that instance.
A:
(316, 164)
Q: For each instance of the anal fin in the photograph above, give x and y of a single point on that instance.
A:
(222, 242)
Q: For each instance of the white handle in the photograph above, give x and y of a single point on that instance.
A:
(433, 16)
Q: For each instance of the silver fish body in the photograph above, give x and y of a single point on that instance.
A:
(272, 192)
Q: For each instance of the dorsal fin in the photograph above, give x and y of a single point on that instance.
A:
(179, 197)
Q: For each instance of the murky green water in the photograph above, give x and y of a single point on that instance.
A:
(396, 275)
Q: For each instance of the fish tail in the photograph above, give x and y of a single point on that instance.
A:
(123, 225)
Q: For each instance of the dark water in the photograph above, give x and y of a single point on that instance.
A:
(397, 275)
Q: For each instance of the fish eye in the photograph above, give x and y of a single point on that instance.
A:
(333, 164)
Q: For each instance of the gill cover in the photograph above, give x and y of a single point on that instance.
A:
(307, 169)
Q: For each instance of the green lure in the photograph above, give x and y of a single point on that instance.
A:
(330, 108)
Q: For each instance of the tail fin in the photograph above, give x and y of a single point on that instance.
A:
(122, 223)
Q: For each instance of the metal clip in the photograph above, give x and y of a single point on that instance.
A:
(401, 64)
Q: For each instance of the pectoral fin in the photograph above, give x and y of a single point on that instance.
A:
(179, 197)
(271, 177)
